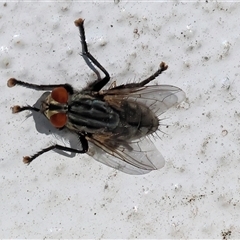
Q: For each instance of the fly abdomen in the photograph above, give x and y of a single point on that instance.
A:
(140, 119)
(90, 115)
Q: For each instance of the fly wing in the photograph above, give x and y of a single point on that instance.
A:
(139, 157)
(159, 98)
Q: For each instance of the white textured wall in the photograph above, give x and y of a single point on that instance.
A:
(196, 194)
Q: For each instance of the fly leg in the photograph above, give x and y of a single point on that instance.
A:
(163, 67)
(17, 109)
(13, 82)
(98, 84)
(82, 139)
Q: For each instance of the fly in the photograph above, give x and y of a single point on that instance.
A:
(113, 125)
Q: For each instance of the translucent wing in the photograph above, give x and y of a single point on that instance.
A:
(158, 98)
(139, 157)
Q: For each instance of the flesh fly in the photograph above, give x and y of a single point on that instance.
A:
(115, 123)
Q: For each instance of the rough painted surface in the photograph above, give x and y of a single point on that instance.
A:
(196, 194)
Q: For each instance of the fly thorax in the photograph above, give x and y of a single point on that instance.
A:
(91, 115)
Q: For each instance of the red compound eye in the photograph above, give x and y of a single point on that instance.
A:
(60, 94)
(58, 120)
